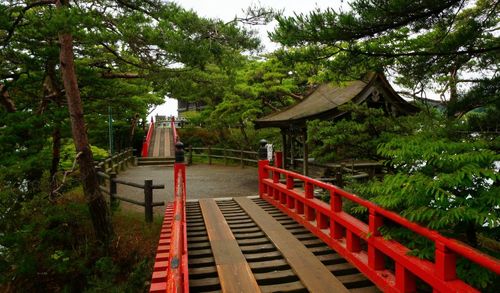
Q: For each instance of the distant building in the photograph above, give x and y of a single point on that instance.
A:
(184, 106)
(162, 120)
(324, 103)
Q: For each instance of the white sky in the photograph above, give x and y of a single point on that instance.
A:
(226, 10)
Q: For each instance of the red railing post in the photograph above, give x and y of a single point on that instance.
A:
(263, 163)
(376, 259)
(309, 193)
(445, 262)
(336, 230)
(278, 159)
(405, 280)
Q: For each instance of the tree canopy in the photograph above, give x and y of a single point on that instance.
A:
(436, 45)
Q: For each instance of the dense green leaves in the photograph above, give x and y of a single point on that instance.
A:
(356, 136)
(444, 181)
(443, 46)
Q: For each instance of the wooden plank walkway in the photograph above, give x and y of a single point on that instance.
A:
(161, 144)
(233, 270)
(247, 245)
(313, 274)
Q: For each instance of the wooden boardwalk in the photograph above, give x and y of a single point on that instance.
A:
(248, 245)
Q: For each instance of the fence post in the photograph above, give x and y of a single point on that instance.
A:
(148, 200)
(263, 162)
(338, 177)
(225, 157)
(112, 189)
(190, 157)
(209, 154)
(101, 167)
(114, 165)
(241, 158)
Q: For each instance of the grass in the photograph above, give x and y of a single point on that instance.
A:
(51, 248)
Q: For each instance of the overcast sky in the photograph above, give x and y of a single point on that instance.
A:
(226, 10)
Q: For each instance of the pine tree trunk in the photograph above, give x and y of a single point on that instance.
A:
(56, 157)
(99, 212)
(471, 234)
(133, 125)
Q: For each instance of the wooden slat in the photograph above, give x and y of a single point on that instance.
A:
(313, 274)
(234, 272)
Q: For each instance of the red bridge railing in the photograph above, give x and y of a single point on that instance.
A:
(174, 130)
(361, 242)
(177, 273)
(147, 141)
(174, 275)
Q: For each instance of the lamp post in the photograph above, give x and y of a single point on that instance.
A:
(110, 130)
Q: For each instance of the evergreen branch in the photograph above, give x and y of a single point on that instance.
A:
(66, 173)
(420, 53)
(132, 6)
(120, 57)
(125, 75)
(6, 100)
(10, 31)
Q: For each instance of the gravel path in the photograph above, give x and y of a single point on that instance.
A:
(203, 181)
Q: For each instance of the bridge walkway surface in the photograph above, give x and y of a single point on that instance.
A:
(287, 240)
(247, 245)
(161, 144)
(204, 181)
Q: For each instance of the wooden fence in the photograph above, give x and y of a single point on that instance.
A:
(341, 171)
(107, 170)
(242, 156)
(117, 162)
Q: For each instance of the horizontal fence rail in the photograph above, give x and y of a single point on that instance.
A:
(107, 170)
(361, 242)
(244, 157)
(116, 162)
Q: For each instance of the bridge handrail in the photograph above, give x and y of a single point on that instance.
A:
(177, 272)
(441, 274)
(147, 141)
(174, 130)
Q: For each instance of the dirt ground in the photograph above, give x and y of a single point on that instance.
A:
(202, 181)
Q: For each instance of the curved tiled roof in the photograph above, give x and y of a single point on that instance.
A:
(323, 103)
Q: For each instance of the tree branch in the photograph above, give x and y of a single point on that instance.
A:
(125, 75)
(420, 53)
(6, 100)
(270, 105)
(120, 57)
(296, 97)
(10, 31)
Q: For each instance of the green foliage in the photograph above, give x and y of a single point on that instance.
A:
(50, 247)
(68, 154)
(442, 180)
(356, 136)
(425, 45)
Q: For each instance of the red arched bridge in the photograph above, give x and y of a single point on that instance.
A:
(286, 240)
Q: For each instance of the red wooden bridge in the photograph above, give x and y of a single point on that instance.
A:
(286, 240)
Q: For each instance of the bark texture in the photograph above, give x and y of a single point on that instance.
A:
(99, 212)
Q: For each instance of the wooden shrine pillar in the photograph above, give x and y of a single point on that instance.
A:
(284, 148)
(305, 163)
(292, 151)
